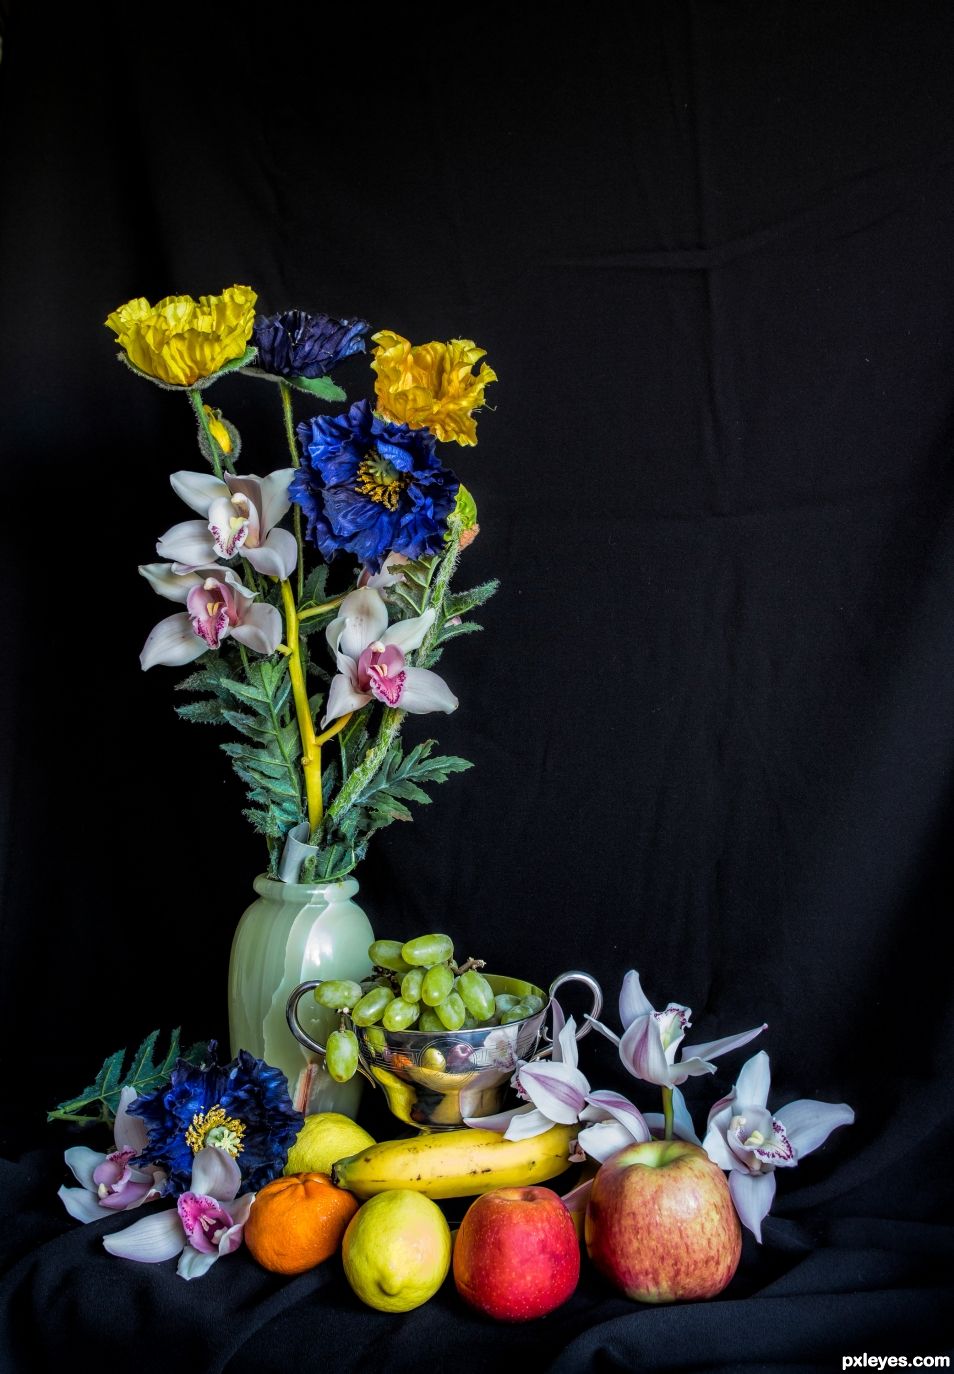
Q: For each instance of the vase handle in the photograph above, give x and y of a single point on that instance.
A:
(577, 976)
(301, 1035)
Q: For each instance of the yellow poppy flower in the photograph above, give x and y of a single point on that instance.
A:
(431, 386)
(180, 340)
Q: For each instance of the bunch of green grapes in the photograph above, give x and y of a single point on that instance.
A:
(415, 986)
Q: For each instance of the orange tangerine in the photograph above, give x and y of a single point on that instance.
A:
(298, 1221)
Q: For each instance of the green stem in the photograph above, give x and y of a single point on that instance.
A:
(289, 418)
(218, 454)
(667, 1113)
(391, 720)
(437, 593)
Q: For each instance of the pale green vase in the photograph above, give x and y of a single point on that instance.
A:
(292, 933)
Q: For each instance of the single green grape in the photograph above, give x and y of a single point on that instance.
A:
(438, 983)
(470, 1022)
(387, 954)
(476, 994)
(505, 1000)
(411, 985)
(534, 1002)
(430, 1022)
(376, 1038)
(451, 1011)
(371, 1007)
(400, 1015)
(427, 950)
(338, 993)
(516, 1013)
(341, 1055)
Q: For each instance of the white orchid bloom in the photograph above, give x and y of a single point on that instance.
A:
(370, 656)
(651, 1039)
(239, 515)
(109, 1182)
(218, 605)
(745, 1139)
(204, 1225)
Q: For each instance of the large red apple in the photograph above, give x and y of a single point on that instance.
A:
(516, 1255)
(660, 1223)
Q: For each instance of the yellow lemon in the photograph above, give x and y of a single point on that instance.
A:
(397, 1250)
(325, 1138)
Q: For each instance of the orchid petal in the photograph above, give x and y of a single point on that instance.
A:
(577, 1198)
(718, 1151)
(151, 1240)
(132, 1193)
(189, 543)
(633, 1001)
(424, 691)
(603, 1030)
(129, 1132)
(713, 1048)
(622, 1110)
(275, 556)
(215, 1174)
(172, 642)
(408, 634)
(682, 1124)
(342, 698)
(500, 1120)
(198, 489)
(559, 1021)
(228, 539)
(753, 1195)
(81, 1204)
(754, 1081)
(593, 1113)
(260, 628)
(193, 1264)
(275, 498)
(566, 1051)
(642, 1052)
(808, 1124)
(239, 1213)
(689, 1068)
(166, 582)
(83, 1162)
(557, 1089)
(603, 1139)
(362, 618)
(525, 1125)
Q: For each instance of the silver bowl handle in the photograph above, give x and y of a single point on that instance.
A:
(291, 1016)
(586, 1025)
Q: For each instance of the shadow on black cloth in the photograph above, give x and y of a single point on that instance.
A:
(708, 249)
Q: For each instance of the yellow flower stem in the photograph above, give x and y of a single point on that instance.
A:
(334, 729)
(218, 456)
(325, 606)
(289, 417)
(310, 749)
(667, 1113)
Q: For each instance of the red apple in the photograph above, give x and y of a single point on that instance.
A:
(516, 1255)
(660, 1223)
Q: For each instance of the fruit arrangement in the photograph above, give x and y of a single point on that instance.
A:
(415, 986)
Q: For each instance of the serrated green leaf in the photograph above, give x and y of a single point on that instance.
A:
(459, 603)
(100, 1101)
(315, 584)
(208, 712)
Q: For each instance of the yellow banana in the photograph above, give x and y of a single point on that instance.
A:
(456, 1163)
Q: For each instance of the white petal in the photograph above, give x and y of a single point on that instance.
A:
(81, 1205)
(718, 1151)
(129, 1132)
(151, 1240)
(689, 1068)
(566, 1051)
(682, 1124)
(342, 698)
(754, 1081)
(499, 1121)
(362, 618)
(633, 1001)
(808, 1124)
(556, 1089)
(198, 489)
(83, 1161)
(604, 1139)
(189, 543)
(527, 1124)
(276, 556)
(623, 1111)
(215, 1174)
(408, 634)
(713, 1048)
(603, 1030)
(424, 691)
(275, 498)
(261, 628)
(193, 1263)
(239, 1211)
(753, 1195)
(173, 586)
(172, 642)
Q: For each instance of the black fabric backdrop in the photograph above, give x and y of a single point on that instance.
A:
(707, 247)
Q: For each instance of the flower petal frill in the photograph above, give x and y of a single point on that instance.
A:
(241, 515)
(371, 661)
(180, 340)
(750, 1143)
(218, 604)
(109, 1182)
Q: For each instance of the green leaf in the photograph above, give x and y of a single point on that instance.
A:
(315, 584)
(208, 712)
(100, 1101)
(459, 603)
(322, 387)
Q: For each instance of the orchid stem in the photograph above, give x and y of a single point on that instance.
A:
(438, 591)
(310, 748)
(325, 606)
(667, 1113)
(289, 418)
(333, 730)
(214, 449)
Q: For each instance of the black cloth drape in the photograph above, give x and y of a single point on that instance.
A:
(708, 249)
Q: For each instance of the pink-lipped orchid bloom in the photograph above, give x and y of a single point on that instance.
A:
(370, 655)
(748, 1141)
(651, 1039)
(206, 1223)
(239, 515)
(109, 1183)
(218, 604)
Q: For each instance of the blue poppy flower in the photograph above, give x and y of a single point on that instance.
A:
(242, 1108)
(371, 487)
(295, 344)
